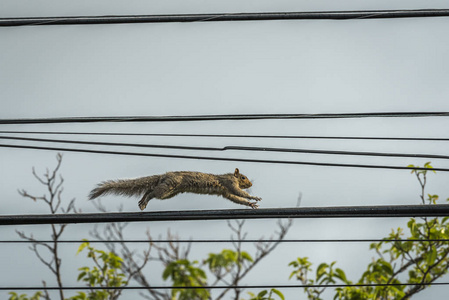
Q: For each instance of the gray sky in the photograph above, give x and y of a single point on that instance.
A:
(227, 68)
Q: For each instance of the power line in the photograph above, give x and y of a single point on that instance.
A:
(225, 135)
(221, 158)
(220, 17)
(221, 117)
(221, 287)
(226, 241)
(238, 148)
(120, 144)
(266, 213)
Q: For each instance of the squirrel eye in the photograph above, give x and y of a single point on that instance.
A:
(243, 177)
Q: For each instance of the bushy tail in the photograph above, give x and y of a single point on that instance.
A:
(130, 187)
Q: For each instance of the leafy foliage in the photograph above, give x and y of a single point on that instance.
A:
(15, 296)
(417, 260)
(325, 274)
(105, 273)
(184, 273)
(226, 267)
(267, 295)
(226, 259)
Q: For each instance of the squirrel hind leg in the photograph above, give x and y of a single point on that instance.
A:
(158, 193)
(164, 191)
(144, 201)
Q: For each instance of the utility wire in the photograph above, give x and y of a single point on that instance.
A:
(227, 241)
(222, 117)
(222, 286)
(224, 135)
(238, 148)
(220, 17)
(221, 158)
(387, 211)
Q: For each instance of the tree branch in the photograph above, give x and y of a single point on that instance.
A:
(263, 249)
(54, 191)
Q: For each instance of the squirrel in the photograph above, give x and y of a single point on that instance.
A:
(170, 184)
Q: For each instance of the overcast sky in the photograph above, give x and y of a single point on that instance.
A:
(226, 68)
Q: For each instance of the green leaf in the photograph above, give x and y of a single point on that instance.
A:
(321, 270)
(82, 246)
(14, 296)
(245, 255)
(386, 266)
(168, 271)
(201, 273)
(294, 264)
(340, 274)
(80, 276)
(262, 293)
(414, 228)
(277, 292)
(431, 256)
(427, 165)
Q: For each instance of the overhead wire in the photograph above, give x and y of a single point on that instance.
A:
(220, 17)
(271, 286)
(232, 117)
(387, 211)
(238, 148)
(222, 135)
(199, 241)
(287, 162)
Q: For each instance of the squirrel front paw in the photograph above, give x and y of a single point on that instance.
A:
(257, 198)
(253, 205)
(142, 204)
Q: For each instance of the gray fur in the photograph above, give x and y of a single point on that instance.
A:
(168, 185)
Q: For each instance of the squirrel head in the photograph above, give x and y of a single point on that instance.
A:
(243, 181)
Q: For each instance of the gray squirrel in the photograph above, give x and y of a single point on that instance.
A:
(170, 184)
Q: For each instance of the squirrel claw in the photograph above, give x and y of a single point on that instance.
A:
(257, 198)
(142, 205)
(253, 205)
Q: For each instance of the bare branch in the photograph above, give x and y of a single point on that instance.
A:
(38, 177)
(23, 193)
(263, 249)
(49, 264)
(58, 202)
(56, 169)
(132, 264)
(54, 190)
(46, 295)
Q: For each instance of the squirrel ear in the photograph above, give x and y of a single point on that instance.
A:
(236, 172)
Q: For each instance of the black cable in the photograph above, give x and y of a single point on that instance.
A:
(238, 148)
(222, 117)
(222, 287)
(222, 158)
(225, 135)
(387, 211)
(225, 241)
(216, 17)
